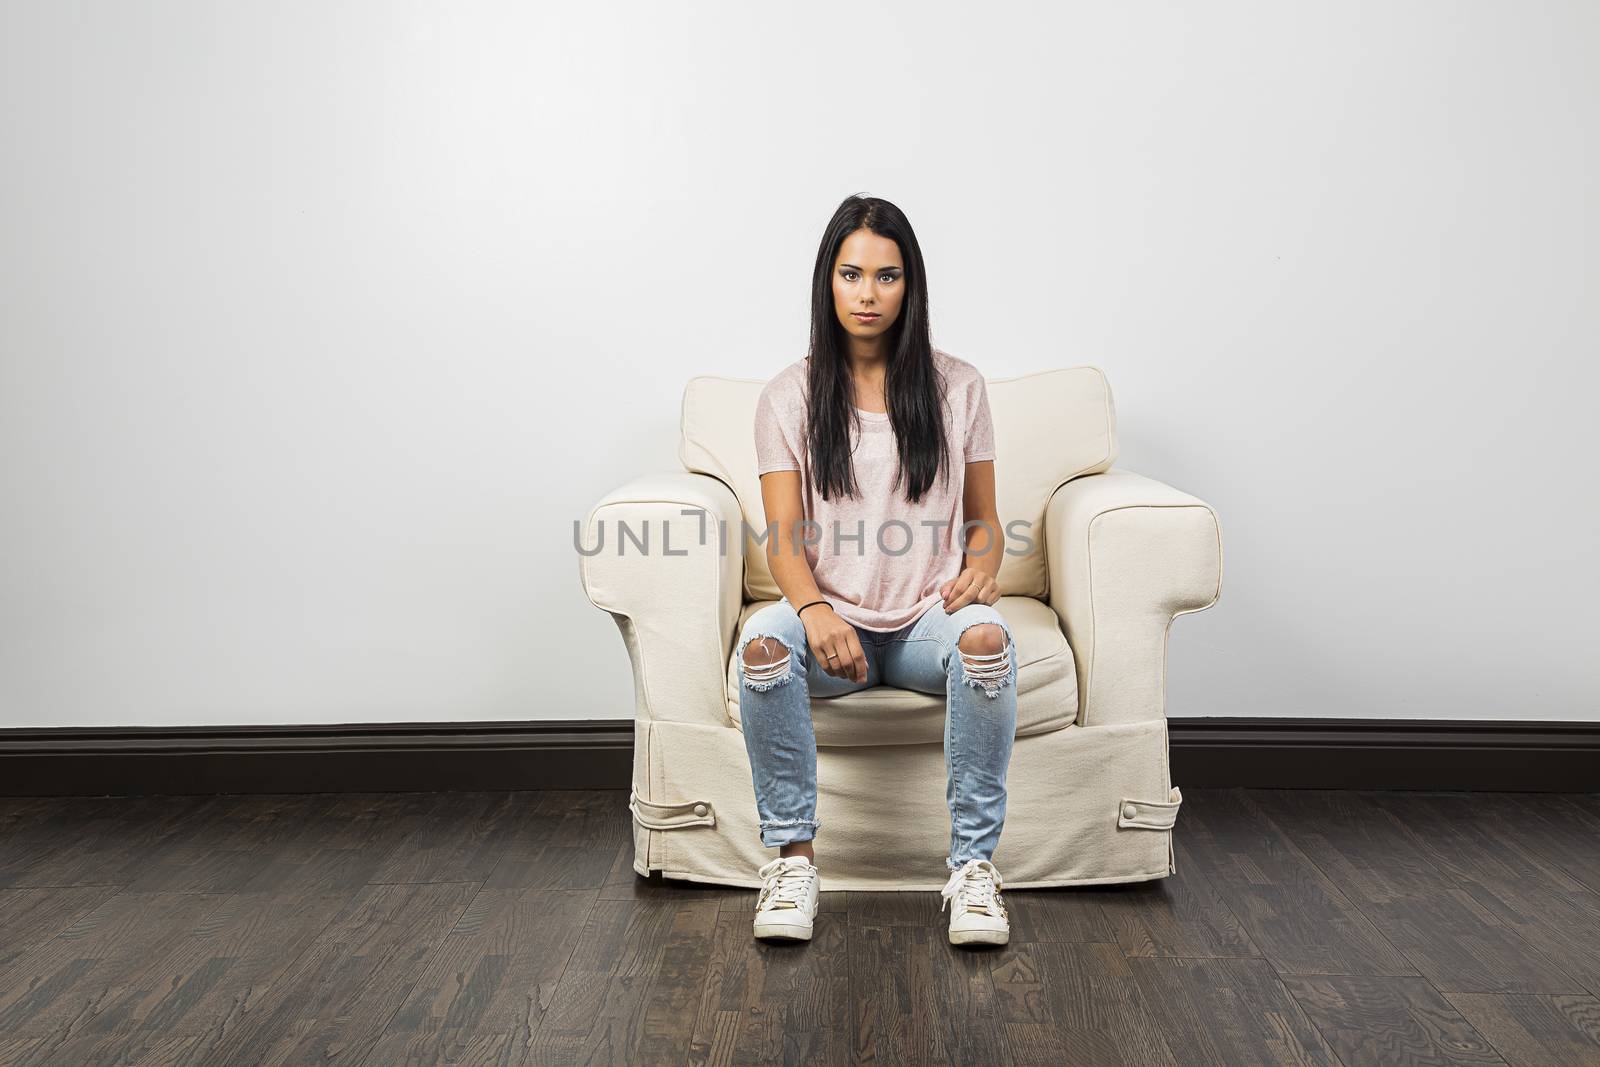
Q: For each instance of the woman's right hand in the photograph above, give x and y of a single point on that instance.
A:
(830, 635)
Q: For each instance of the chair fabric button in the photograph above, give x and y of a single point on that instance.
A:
(699, 809)
(1129, 811)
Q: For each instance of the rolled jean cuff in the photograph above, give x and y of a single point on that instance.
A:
(788, 831)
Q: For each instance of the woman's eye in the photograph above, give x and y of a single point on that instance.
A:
(887, 278)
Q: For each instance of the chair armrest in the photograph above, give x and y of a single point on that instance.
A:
(677, 599)
(1124, 556)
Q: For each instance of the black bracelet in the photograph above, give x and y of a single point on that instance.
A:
(813, 604)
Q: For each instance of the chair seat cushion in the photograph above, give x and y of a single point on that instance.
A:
(1047, 688)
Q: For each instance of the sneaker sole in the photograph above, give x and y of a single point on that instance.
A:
(785, 932)
(980, 937)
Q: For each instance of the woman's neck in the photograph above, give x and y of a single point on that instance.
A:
(868, 368)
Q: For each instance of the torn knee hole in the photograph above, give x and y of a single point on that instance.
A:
(985, 650)
(764, 652)
(766, 660)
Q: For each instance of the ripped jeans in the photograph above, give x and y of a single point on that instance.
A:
(925, 655)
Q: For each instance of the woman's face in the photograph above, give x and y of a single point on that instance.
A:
(868, 283)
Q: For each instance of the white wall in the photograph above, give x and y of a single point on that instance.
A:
(321, 322)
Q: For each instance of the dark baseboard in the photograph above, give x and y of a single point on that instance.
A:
(338, 758)
(585, 754)
(1455, 754)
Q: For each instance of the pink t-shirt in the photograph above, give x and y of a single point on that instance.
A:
(872, 555)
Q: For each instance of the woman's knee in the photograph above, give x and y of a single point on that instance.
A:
(983, 639)
(980, 624)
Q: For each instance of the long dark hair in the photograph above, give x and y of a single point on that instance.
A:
(913, 386)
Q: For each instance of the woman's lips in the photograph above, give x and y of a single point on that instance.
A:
(860, 317)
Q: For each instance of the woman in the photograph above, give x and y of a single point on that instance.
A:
(874, 451)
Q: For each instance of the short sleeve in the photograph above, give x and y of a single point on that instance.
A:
(980, 424)
(773, 450)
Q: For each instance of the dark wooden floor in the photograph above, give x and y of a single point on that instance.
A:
(509, 928)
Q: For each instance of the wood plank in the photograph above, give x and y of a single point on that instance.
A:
(563, 841)
(336, 999)
(1180, 915)
(1299, 919)
(1491, 851)
(92, 974)
(1228, 1012)
(1067, 913)
(1074, 1003)
(218, 973)
(1389, 1020)
(460, 838)
(880, 1028)
(31, 916)
(1444, 929)
(783, 999)
(1536, 1031)
(93, 840)
(1562, 830)
(488, 984)
(600, 1008)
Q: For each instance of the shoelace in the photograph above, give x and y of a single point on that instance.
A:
(980, 882)
(786, 883)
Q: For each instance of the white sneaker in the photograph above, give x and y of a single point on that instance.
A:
(979, 915)
(789, 899)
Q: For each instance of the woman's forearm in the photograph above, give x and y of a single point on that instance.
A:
(984, 546)
(791, 570)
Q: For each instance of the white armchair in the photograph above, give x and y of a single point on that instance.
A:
(1099, 562)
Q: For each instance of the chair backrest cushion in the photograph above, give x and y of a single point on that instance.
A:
(1049, 427)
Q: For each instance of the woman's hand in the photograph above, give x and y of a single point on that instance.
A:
(830, 635)
(971, 586)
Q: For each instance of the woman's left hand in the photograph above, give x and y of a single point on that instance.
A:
(971, 586)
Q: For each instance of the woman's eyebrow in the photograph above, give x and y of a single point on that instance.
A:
(852, 266)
